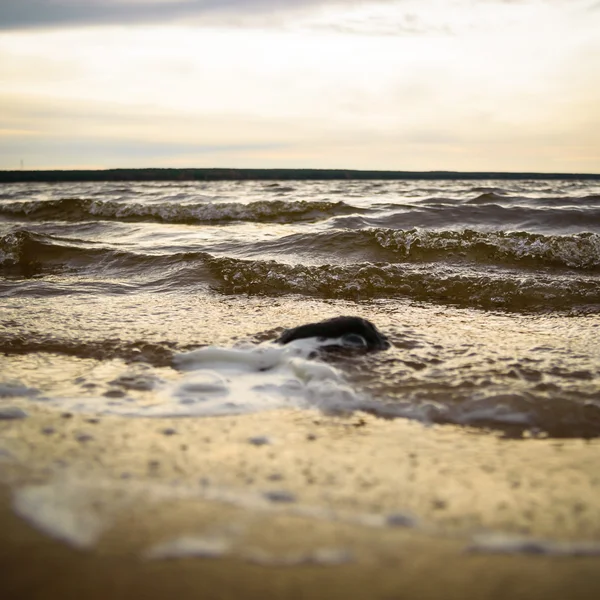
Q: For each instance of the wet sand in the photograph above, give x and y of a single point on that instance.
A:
(290, 504)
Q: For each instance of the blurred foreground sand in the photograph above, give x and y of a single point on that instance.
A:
(290, 504)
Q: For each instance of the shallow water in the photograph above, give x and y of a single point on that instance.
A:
(488, 291)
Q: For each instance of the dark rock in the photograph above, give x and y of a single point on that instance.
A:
(357, 331)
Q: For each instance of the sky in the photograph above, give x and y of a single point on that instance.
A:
(468, 85)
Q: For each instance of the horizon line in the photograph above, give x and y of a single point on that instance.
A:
(235, 173)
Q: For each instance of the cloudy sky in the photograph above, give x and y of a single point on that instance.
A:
(511, 85)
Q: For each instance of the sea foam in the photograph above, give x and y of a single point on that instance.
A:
(214, 381)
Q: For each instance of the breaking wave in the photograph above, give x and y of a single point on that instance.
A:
(580, 251)
(267, 211)
(520, 249)
(477, 289)
(419, 267)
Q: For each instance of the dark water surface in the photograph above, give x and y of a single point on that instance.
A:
(489, 292)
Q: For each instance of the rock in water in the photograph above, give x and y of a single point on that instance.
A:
(354, 331)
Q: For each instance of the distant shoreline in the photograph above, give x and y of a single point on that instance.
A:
(20, 176)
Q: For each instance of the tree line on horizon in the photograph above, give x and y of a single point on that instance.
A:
(222, 174)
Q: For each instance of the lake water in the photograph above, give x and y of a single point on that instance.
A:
(162, 299)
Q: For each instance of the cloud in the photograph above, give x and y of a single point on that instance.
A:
(375, 83)
(392, 19)
(370, 17)
(44, 13)
(50, 133)
(92, 149)
(24, 14)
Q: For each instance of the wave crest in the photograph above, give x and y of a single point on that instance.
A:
(366, 281)
(580, 251)
(19, 253)
(267, 211)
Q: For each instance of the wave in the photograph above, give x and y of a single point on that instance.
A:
(262, 211)
(459, 287)
(441, 215)
(580, 251)
(520, 249)
(276, 188)
(489, 197)
(25, 250)
(19, 253)
(28, 254)
(487, 189)
(493, 196)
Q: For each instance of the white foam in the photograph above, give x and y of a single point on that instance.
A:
(221, 381)
(190, 546)
(78, 509)
(258, 358)
(208, 212)
(64, 512)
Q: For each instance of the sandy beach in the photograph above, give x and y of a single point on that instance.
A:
(289, 504)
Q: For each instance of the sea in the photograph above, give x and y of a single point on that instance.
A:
(154, 299)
